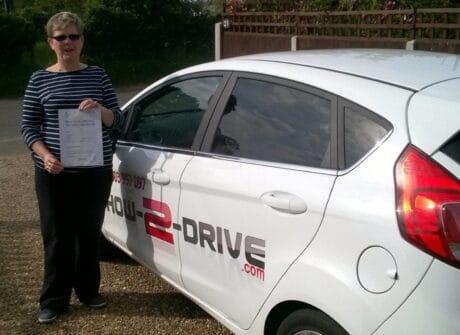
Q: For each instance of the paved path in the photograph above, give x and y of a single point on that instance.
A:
(10, 118)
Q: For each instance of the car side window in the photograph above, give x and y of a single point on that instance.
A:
(363, 131)
(272, 122)
(171, 116)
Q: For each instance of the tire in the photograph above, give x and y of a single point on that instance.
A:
(309, 322)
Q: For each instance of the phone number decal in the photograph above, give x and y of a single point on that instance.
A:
(128, 180)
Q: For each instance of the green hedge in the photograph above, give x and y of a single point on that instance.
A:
(17, 36)
(139, 29)
(110, 34)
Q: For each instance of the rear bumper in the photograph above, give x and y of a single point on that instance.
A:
(433, 307)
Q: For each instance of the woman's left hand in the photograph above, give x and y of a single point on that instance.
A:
(88, 104)
(107, 116)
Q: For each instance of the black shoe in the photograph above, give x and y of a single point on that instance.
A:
(97, 302)
(47, 315)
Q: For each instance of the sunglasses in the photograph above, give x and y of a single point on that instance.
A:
(61, 38)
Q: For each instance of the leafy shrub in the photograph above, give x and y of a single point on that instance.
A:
(143, 29)
(17, 35)
(111, 34)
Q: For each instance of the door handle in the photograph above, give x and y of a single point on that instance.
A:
(284, 202)
(160, 177)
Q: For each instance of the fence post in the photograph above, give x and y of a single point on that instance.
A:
(218, 41)
(410, 45)
(294, 43)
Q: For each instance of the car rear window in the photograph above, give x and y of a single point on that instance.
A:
(452, 148)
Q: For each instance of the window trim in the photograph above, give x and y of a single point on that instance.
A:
(230, 85)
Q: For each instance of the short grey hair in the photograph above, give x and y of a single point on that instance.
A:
(61, 20)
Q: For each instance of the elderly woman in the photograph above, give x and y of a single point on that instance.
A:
(71, 198)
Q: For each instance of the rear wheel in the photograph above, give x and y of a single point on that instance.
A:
(309, 322)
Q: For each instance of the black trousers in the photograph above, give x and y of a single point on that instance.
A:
(72, 207)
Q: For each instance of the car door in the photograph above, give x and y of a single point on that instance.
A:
(253, 200)
(157, 144)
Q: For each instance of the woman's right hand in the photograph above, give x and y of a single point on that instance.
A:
(52, 164)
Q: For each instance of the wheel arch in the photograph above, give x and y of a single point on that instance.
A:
(280, 311)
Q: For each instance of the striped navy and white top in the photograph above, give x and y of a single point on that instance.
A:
(47, 92)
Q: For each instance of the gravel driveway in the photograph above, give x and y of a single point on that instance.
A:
(139, 301)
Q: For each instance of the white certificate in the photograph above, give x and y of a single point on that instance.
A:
(80, 137)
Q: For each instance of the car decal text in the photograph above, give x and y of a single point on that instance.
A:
(158, 224)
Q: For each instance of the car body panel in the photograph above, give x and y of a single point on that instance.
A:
(437, 106)
(145, 202)
(434, 304)
(232, 200)
(366, 220)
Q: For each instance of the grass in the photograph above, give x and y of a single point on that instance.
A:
(14, 77)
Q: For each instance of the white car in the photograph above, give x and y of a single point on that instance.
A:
(309, 192)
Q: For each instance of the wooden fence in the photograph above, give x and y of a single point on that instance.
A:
(430, 29)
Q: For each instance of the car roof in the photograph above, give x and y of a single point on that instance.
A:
(413, 70)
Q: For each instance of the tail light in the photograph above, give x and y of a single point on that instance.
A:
(428, 206)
